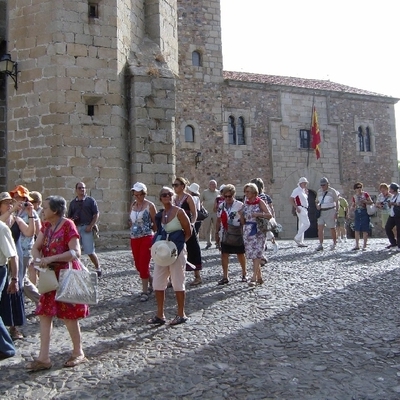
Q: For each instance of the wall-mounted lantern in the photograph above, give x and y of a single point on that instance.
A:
(10, 68)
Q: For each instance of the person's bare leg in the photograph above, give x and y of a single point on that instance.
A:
(224, 263)
(180, 299)
(242, 261)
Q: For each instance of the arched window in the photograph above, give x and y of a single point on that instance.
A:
(196, 59)
(189, 133)
(360, 139)
(367, 139)
(240, 131)
(231, 130)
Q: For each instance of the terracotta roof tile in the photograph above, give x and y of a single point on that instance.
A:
(295, 82)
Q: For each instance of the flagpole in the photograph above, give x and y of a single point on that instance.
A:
(309, 142)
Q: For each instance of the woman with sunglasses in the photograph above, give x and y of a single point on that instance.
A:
(184, 200)
(228, 213)
(172, 224)
(142, 223)
(359, 203)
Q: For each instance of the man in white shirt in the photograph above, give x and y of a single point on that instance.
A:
(8, 252)
(299, 200)
(327, 202)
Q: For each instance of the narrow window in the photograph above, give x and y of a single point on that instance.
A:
(367, 139)
(189, 133)
(93, 10)
(90, 110)
(240, 131)
(360, 139)
(304, 139)
(231, 130)
(196, 59)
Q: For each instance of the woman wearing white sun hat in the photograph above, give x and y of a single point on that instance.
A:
(169, 255)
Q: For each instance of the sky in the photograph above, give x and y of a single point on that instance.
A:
(351, 42)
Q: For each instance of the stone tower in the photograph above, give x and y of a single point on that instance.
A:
(199, 102)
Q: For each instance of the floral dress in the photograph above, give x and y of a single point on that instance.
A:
(254, 241)
(53, 244)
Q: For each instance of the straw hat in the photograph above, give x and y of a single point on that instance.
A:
(164, 252)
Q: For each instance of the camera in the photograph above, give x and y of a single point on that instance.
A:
(26, 204)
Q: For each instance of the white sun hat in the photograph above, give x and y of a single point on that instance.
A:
(194, 188)
(164, 252)
(303, 180)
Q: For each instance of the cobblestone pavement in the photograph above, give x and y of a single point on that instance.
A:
(324, 325)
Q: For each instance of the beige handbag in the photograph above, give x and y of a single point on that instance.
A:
(47, 280)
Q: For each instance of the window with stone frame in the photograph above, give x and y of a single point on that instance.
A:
(189, 133)
(231, 130)
(364, 139)
(93, 10)
(305, 138)
(196, 59)
(240, 129)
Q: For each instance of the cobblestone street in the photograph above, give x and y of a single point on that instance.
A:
(324, 325)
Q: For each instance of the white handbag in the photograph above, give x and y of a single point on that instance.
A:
(77, 286)
(371, 209)
(47, 280)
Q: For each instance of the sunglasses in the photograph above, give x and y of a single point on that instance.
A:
(228, 196)
(165, 195)
(358, 187)
(176, 184)
(323, 184)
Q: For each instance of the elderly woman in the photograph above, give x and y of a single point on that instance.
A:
(228, 215)
(359, 203)
(382, 203)
(142, 223)
(12, 309)
(56, 245)
(184, 200)
(173, 225)
(254, 239)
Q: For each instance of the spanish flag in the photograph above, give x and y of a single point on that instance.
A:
(315, 134)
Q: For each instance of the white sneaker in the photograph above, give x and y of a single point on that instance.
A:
(339, 240)
(333, 247)
(275, 247)
(345, 238)
(320, 247)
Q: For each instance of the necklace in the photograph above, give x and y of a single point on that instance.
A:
(138, 211)
(166, 215)
(49, 236)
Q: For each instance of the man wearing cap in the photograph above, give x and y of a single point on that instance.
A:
(299, 200)
(207, 198)
(327, 202)
(8, 254)
(84, 212)
(394, 217)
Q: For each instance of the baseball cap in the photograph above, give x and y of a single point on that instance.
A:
(324, 181)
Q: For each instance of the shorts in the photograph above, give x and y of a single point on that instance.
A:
(341, 221)
(176, 271)
(86, 240)
(328, 218)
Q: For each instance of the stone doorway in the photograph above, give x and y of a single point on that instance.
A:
(312, 231)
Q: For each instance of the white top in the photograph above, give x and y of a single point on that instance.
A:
(7, 245)
(300, 197)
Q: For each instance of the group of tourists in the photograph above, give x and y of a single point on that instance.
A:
(335, 212)
(49, 237)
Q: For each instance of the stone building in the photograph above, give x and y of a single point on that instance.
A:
(112, 92)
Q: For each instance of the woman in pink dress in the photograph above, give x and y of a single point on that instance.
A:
(56, 245)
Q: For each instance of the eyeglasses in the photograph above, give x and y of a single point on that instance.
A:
(229, 196)
(176, 184)
(81, 187)
(165, 195)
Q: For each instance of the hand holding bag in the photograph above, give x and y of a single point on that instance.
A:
(47, 280)
(77, 286)
(265, 225)
(202, 214)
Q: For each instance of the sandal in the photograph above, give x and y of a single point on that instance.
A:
(178, 320)
(260, 281)
(244, 278)
(223, 281)
(195, 282)
(37, 365)
(355, 248)
(144, 297)
(15, 334)
(156, 321)
(99, 273)
(252, 283)
(263, 261)
(74, 361)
